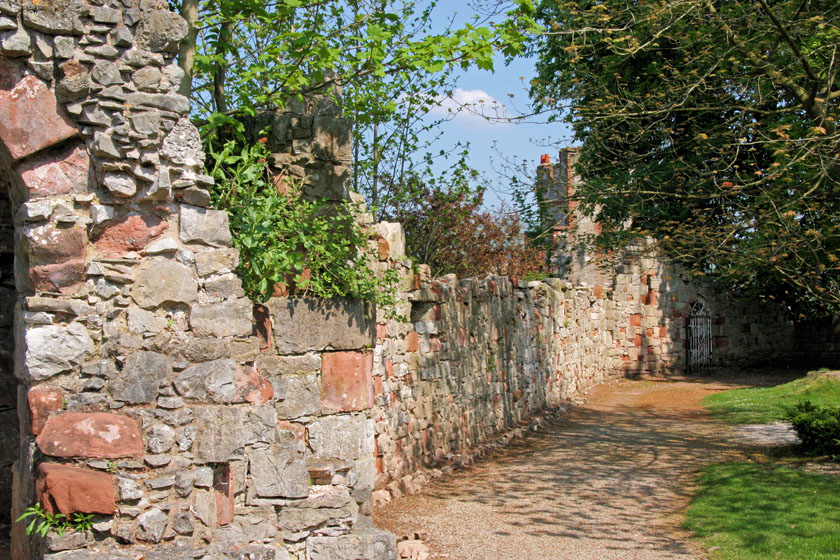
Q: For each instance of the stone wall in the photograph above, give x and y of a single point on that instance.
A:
(479, 356)
(147, 393)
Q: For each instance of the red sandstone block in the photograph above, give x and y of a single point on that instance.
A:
(50, 245)
(462, 337)
(224, 489)
(636, 320)
(663, 332)
(346, 381)
(56, 172)
(649, 332)
(262, 319)
(637, 340)
(97, 435)
(435, 344)
(381, 330)
(31, 118)
(412, 342)
(298, 430)
(43, 400)
(389, 368)
(651, 298)
(598, 291)
(67, 489)
(383, 249)
(377, 386)
(64, 278)
(251, 386)
(129, 233)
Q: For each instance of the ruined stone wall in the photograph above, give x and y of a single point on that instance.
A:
(144, 394)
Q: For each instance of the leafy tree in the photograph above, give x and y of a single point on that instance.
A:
(713, 125)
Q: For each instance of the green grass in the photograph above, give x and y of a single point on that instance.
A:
(768, 404)
(746, 511)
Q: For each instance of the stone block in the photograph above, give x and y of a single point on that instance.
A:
(140, 378)
(251, 386)
(53, 349)
(297, 395)
(151, 525)
(67, 489)
(232, 317)
(43, 400)
(363, 542)
(215, 261)
(209, 227)
(159, 281)
(278, 472)
(347, 381)
(64, 170)
(348, 437)
(224, 490)
(208, 382)
(394, 235)
(129, 233)
(304, 324)
(32, 119)
(54, 18)
(160, 31)
(98, 435)
(221, 434)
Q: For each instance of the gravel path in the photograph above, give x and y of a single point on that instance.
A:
(608, 480)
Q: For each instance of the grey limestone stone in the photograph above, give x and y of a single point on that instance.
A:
(140, 378)
(104, 14)
(160, 438)
(232, 317)
(53, 349)
(120, 184)
(146, 79)
(336, 324)
(129, 490)
(182, 145)
(159, 281)
(141, 322)
(55, 17)
(64, 47)
(147, 122)
(151, 525)
(215, 261)
(11, 7)
(297, 395)
(210, 227)
(160, 31)
(17, 43)
(211, 381)
(255, 526)
(183, 523)
(121, 36)
(278, 472)
(363, 542)
(224, 286)
(221, 433)
(168, 102)
(343, 436)
(106, 73)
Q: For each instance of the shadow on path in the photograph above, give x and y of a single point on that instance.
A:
(609, 479)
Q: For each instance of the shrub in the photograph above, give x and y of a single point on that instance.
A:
(317, 246)
(449, 231)
(818, 427)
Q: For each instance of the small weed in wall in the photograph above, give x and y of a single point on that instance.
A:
(41, 522)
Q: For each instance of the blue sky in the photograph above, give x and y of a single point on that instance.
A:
(492, 142)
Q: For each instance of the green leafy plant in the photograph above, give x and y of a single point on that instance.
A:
(42, 522)
(288, 242)
(818, 427)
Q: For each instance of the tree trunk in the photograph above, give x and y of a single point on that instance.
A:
(186, 51)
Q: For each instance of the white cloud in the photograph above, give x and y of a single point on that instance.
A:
(473, 104)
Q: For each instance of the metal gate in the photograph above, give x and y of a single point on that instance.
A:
(699, 338)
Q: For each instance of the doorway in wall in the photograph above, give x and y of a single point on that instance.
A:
(699, 339)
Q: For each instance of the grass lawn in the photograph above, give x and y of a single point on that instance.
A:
(751, 511)
(767, 404)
